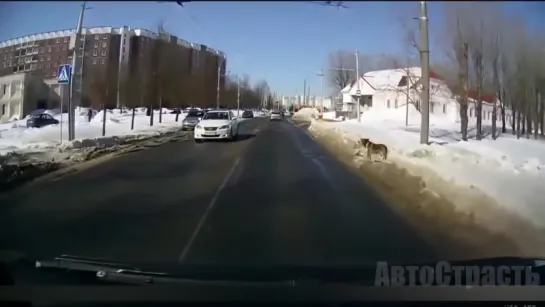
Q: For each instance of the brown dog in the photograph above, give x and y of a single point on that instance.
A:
(374, 149)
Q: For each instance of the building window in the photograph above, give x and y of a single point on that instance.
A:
(58, 40)
(63, 47)
(103, 61)
(54, 73)
(104, 36)
(103, 53)
(94, 61)
(395, 103)
(104, 44)
(33, 66)
(4, 106)
(42, 50)
(49, 58)
(97, 37)
(432, 106)
(49, 49)
(471, 112)
(48, 65)
(444, 109)
(66, 39)
(40, 66)
(95, 52)
(388, 103)
(95, 45)
(4, 88)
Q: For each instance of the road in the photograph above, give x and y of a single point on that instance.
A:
(273, 197)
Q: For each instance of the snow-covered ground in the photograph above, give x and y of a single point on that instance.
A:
(14, 136)
(509, 170)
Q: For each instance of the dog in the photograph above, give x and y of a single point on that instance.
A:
(374, 149)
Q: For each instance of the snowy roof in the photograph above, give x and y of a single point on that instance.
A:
(387, 79)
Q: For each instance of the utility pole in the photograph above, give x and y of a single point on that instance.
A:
(358, 91)
(425, 80)
(71, 104)
(238, 95)
(321, 75)
(218, 87)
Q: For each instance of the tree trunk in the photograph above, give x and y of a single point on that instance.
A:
(518, 123)
(104, 110)
(513, 117)
(536, 117)
(464, 81)
(463, 120)
(160, 108)
(132, 117)
(151, 114)
(541, 113)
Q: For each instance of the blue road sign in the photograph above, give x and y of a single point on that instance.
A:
(63, 74)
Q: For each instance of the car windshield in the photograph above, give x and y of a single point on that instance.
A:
(216, 115)
(383, 155)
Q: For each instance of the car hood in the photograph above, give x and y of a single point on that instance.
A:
(214, 122)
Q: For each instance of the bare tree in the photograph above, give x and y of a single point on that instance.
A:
(341, 70)
(457, 43)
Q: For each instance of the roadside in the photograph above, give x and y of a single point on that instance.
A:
(18, 169)
(462, 219)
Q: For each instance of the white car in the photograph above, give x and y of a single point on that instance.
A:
(216, 125)
(276, 115)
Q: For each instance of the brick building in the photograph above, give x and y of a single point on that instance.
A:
(107, 51)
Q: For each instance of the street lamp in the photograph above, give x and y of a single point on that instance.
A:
(71, 105)
(218, 88)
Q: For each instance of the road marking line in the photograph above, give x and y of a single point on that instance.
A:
(211, 205)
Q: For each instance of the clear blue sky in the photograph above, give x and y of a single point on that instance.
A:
(282, 42)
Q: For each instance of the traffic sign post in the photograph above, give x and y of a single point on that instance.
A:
(64, 74)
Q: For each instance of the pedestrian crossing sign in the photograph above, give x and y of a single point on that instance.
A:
(63, 74)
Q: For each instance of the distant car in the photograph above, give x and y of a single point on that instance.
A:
(276, 115)
(247, 114)
(192, 119)
(216, 125)
(40, 120)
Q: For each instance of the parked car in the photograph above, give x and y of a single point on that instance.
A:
(247, 114)
(215, 125)
(192, 119)
(40, 120)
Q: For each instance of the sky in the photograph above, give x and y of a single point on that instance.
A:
(284, 42)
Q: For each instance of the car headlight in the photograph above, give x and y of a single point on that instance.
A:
(224, 127)
(198, 127)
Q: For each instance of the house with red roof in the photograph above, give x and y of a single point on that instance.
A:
(391, 89)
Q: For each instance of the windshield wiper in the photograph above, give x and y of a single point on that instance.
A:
(122, 273)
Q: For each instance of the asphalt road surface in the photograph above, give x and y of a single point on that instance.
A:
(273, 197)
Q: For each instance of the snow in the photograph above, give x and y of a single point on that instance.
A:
(305, 113)
(15, 137)
(510, 170)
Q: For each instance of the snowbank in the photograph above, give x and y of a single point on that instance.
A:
(509, 171)
(305, 113)
(15, 137)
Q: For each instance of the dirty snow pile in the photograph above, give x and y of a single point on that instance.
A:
(15, 137)
(509, 170)
(306, 113)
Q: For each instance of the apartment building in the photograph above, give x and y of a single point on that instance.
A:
(104, 51)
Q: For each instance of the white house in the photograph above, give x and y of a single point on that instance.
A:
(394, 88)
(21, 93)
